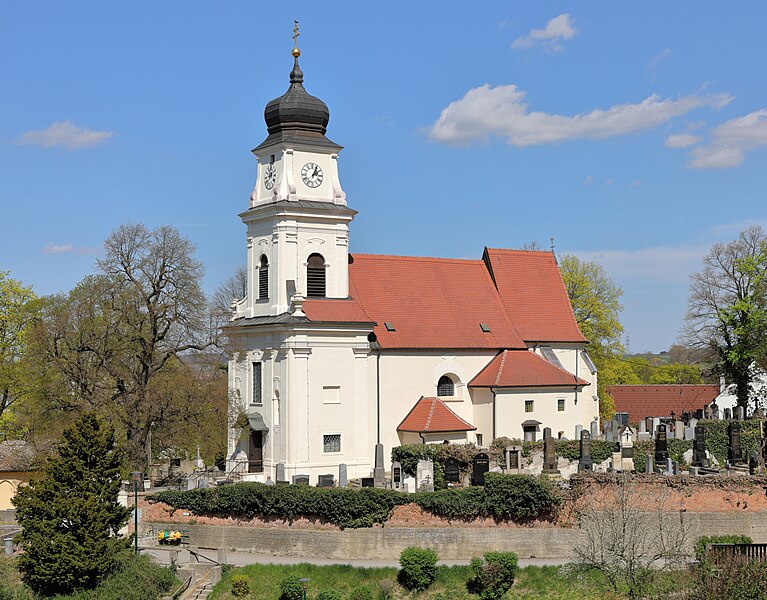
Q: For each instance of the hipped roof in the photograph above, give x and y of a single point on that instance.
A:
(432, 415)
(522, 368)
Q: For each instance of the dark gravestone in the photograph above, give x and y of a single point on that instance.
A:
(734, 449)
(452, 471)
(480, 465)
(728, 414)
(549, 452)
(699, 447)
(661, 445)
(753, 464)
(175, 462)
(325, 481)
(513, 459)
(585, 463)
(368, 482)
(301, 479)
(396, 475)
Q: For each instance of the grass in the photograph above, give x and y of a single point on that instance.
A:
(136, 579)
(531, 582)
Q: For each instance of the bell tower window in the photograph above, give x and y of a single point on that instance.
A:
(315, 276)
(263, 278)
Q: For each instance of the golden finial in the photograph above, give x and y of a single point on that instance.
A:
(295, 52)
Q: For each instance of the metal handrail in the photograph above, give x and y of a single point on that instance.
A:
(199, 556)
(182, 588)
(199, 581)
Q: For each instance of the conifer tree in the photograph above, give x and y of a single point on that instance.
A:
(70, 518)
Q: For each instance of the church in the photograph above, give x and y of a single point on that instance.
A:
(334, 354)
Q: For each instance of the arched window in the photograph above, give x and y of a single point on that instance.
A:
(445, 386)
(263, 277)
(315, 276)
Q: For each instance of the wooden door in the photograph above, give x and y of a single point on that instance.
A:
(256, 452)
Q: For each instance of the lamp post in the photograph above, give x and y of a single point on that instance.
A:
(135, 477)
(305, 582)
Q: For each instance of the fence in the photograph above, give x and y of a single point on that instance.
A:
(752, 552)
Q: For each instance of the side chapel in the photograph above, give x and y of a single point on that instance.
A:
(333, 353)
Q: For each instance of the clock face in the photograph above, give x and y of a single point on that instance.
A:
(270, 176)
(311, 174)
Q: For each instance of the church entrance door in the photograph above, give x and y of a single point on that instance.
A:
(256, 452)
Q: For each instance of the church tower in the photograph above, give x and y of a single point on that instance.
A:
(298, 220)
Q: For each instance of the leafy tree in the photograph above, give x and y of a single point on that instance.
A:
(117, 334)
(70, 518)
(727, 308)
(18, 310)
(595, 299)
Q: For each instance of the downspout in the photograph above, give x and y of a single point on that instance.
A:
(378, 395)
(423, 439)
(577, 360)
(492, 390)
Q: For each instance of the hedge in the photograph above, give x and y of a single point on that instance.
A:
(503, 497)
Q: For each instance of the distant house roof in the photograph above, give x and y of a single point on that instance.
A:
(522, 368)
(641, 401)
(431, 415)
(16, 456)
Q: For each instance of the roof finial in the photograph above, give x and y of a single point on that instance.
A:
(296, 75)
(295, 52)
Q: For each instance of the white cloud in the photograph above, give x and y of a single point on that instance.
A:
(557, 29)
(635, 183)
(659, 264)
(68, 249)
(657, 59)
(58, 249)
(501, 111)
(681, 140)
(610, 181)
(730, 141)
(588, 180)
(64, 134)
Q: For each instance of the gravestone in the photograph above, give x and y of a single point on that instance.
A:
(648, 423)
(669, 467)
(648, 466)
(578, 429)
(452, 471)
(655, 424)
(608, 432)
(616, 462)
(549, 452)
(585, 462)
(740, 413)
(396, 475)
(301, 479)
(676, 467)
(693, 423)
(627, 448)
(367, 482)
(594, 429)
(480, 465)
(325, 481)
(514, 459)
(734, 449)
(425, 475)
(642, 426)
(694, 471)
(280, 472)
(714, 411)
(661, 445)
(379, 473)
(343, 479)
(728, 414)
(679, 430)
(753, 464)
(699, 447)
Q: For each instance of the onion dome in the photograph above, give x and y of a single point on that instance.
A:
(297, 116)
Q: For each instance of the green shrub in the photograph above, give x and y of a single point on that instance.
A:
(418, 568)
(330, 595)
(457, 503)
(518, 496)
(240, 586)
(343, 507)
(702, 542)
(734, 577)
(361, 592)
(494, 575)
(291, 588)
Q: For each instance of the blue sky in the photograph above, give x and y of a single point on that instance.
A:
(635, 134)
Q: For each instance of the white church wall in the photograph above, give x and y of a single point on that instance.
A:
(510, 411)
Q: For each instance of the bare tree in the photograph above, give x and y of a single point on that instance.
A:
(233, 288)
(631, 537)
(727, 308)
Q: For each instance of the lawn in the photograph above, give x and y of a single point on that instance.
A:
(381, 583)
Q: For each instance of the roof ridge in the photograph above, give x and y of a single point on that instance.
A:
(500, 368)
(434, 401)
(411, 257)
(521, 251)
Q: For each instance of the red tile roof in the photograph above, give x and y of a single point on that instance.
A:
(431, 415)
(641, 401)
(431, 302)
(339, 311)
(532, 290)
(522, 368)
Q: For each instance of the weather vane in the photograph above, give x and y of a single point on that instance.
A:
(296, 52)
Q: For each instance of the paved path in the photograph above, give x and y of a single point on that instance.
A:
(240, 559)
